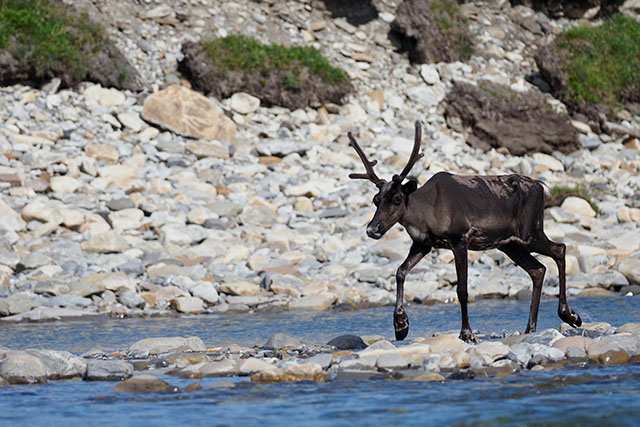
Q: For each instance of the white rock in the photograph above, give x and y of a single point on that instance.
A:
(132, 121)
(205, 291)
(108, 97)
(126, 219)
(429, 74)
(578, 206)
(548, 162)
(64, 184)
(244, 103)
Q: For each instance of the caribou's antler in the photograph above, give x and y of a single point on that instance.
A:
(415, 154)
(370, 175)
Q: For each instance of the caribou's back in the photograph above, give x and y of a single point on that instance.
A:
(489, 211)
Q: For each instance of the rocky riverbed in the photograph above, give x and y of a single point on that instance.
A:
(147, 365)
(141, 203)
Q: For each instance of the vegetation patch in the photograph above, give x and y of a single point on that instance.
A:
(453, 25)
(276, 74)
(558, 193)
(42, 39)
(596, 65)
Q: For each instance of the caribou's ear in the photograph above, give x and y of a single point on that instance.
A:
(410, 186)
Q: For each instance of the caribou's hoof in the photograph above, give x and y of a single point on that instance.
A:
(467, 336)
(401, 324)
(569, 316)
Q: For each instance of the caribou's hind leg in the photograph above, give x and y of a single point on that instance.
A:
(521, 256)
(461, 259)
(400, 318)
(557, 252)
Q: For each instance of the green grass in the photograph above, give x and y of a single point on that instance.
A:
(451, 23)
(240, 53)
(580, 190)
(605, 60)
(42, 34)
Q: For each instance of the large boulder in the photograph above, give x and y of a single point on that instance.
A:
(500, 117)
(188, 113)
(431, 33)
(356, 12)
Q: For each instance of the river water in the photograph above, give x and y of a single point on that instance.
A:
(589, 395)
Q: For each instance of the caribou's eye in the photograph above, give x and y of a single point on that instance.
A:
(376, 199)
(397, 199)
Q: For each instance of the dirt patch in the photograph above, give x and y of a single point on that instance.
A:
(500, 117)
(356, 12)
(272, 88)
(573, 9)
(431, 31)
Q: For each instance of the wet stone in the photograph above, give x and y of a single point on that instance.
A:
(145, 384)
(278, 341)
(108, 370)
(347, 342)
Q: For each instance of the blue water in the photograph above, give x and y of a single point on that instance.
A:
(590, 395)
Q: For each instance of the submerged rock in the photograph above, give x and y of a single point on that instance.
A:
(145, 384)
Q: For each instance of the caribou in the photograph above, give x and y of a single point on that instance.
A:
(462, 213)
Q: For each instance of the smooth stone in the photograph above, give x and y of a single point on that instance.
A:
(348, 342)
(243, 103)
(203, 148)
(131, 120)
(391, 362)
(240, 288)
(144, 384)
(206, 291)
(364, 363)
(131, 299)
(322, 359)
(108, 97)
(154, 346)
(102, 152)
(223, 368)
(23, 368)
(630, 328)
(16, 304)
(292, 373)
(108, 370)
(48, 313)
(278, 341)
(445, 343)
(105, 243)
(190, 305)
(11, 220)
(630, 268)
(578, 206)
(63, 184)
(254, 365)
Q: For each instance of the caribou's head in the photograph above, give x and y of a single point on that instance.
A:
(392, 197)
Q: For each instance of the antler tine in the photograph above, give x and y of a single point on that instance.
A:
(415, 154)
(370, 175)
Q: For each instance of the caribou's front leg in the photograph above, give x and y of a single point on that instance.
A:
(460, 256)
(400, 318)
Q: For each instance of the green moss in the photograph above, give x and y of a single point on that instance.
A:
(446, 16)
(240, 53)
(604, 60)
(580, 190)
(45, 37)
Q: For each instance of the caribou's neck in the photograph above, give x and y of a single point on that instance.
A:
(414, 219)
